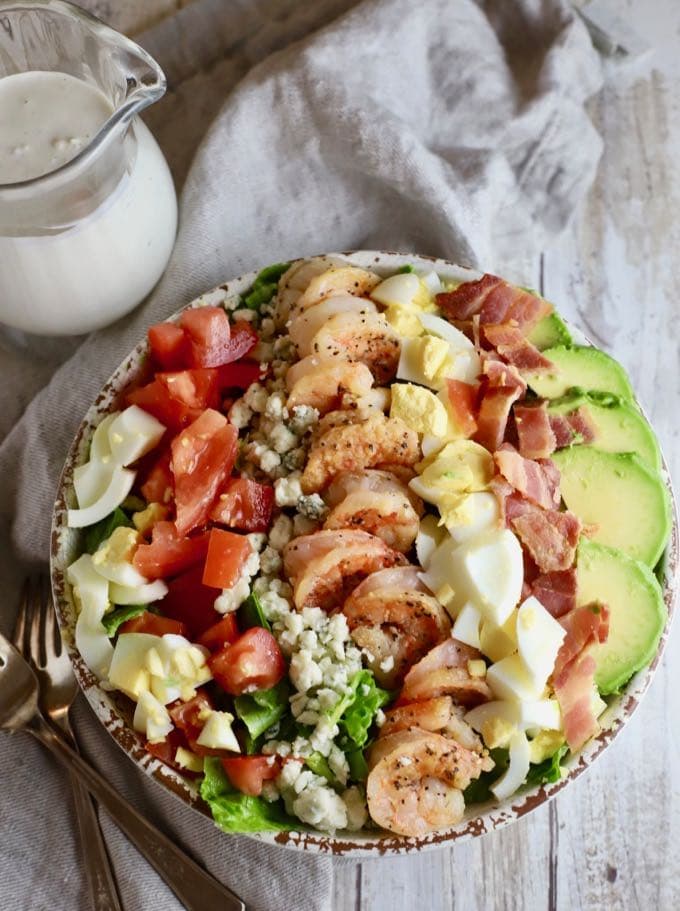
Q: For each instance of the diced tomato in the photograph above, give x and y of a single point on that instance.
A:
(208, 332)
(248, 773)
(159, 485)
(244, 504)
(169, 553)
(153, 625)
(187, 715)
(191, 602)
(254, 661)
(463, 402)
(156, 399)
(224, 632)
(167, 749)
(227, 554)
(239, 375)
(242, 341)
(169, 346)
(197, 389)
(202, 458)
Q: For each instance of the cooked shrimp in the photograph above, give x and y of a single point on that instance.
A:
(396, 577)
(370, 444)
(438, 715)
(397, 628)
(364, 337)
(336, 280)
(416, 781)
(372, 479)
(320, 382)
(294, 281)
(444, 672)
(387, 514)
(355, 410)
(327, 579)
(304, 327)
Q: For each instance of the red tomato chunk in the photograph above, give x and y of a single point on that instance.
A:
(191, 602)
(153, 625)
(248, 773)
(208, 332)
(224, 632)
(159, 486)
(244, 504)
(166, 750)
(239, 375)
(203, 456)
(169, 553)
(253, 662)
(227, 554)
(169, 346)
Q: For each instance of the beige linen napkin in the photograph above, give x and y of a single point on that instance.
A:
(450, 128)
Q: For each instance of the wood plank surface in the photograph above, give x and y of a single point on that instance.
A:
(612, 841)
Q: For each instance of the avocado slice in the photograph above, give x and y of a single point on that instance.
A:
(550, 332)
(617, 493)
(579, 367)
(619, 427)
(637, 611)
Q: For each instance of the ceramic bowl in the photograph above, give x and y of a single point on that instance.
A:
(115, 711)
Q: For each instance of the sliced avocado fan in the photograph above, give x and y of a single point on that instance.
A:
(626, 503)
(637, 611)
(581, 368)
(550, 332)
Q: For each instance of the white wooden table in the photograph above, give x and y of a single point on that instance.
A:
(611, 842)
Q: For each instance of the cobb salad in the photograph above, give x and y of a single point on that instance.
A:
(363, 550)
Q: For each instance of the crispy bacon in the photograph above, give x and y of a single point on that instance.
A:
(535, 435)
(463, 401)
(512, 346)
(574, 427)
(496, 374)
(538, 481)
(574, 671)
(550, 536)
(556, 591)
(494, 412)
(495, 301)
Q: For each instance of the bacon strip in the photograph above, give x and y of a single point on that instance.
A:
(496, 374)
(574, 427)
(494, 412)
(538, 481)
(550, 536)
(574, 672)
(510, 343)
(495, 301)
(556, 591)
(534, 431)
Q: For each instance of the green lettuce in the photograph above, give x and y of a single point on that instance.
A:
(264, 287)
(237, 812)
(319, 765)
(404, 270)
(250, 613)
(358, 767)
(355, 712)
(99, 532)
(260, 710)
(549, 770)
(116, 617)
(479, 790)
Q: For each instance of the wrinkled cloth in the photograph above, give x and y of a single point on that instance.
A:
(455, 129)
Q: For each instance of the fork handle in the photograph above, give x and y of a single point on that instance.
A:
(193, 886)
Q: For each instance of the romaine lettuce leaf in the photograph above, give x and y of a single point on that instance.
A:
(116, 617)
(357, 713)
(237, 812)
(260, 710)
(549, 770)
(479, 790)
(264, 287)
(99, 532)
(250, 613)
(358, 767)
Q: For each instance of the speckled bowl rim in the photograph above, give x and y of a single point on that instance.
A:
(111, 709)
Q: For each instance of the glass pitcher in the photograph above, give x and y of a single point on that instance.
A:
(83, 244)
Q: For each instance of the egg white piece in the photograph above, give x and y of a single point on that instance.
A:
(118, 488)
(518, 769)
(482, 513)
(432, 282)
(91, 479)
(92, 595)
(509, 679)
(218, 734)
(466, 626)
(466, 366)
(540, 715)
(441, 327)
(138, 594)
(152, 718)
(491, 569)
(429, 537)
(128, 671)
(132, 434)
(539, 637)
(403, 290)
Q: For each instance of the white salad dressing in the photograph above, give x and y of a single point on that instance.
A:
(73, 279)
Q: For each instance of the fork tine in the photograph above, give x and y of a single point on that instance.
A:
(35, 624)
(52, 636)
(21, 625)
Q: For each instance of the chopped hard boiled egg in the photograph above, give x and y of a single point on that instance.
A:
(91, 593)
(113, 558)
(543, 714)
(422, 359)
(119, 486)
(509, 679)
(435, 325)
(147, 518)
(168, 666)
(405, 289)
(139, 594)
(476, 513)
(132, 434)
(518, 769)
(418, 408)
(462, 466)
(496, 721)
(544, 745)
(497, 642)
(404, 321)
(185, 759)
(430, 536)
(129, 672)
(466, 626)
(151, 718)
(91, 479)
(217, 733)
(539, 637)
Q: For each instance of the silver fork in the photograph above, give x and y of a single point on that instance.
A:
(20, 710)
(37, 637)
